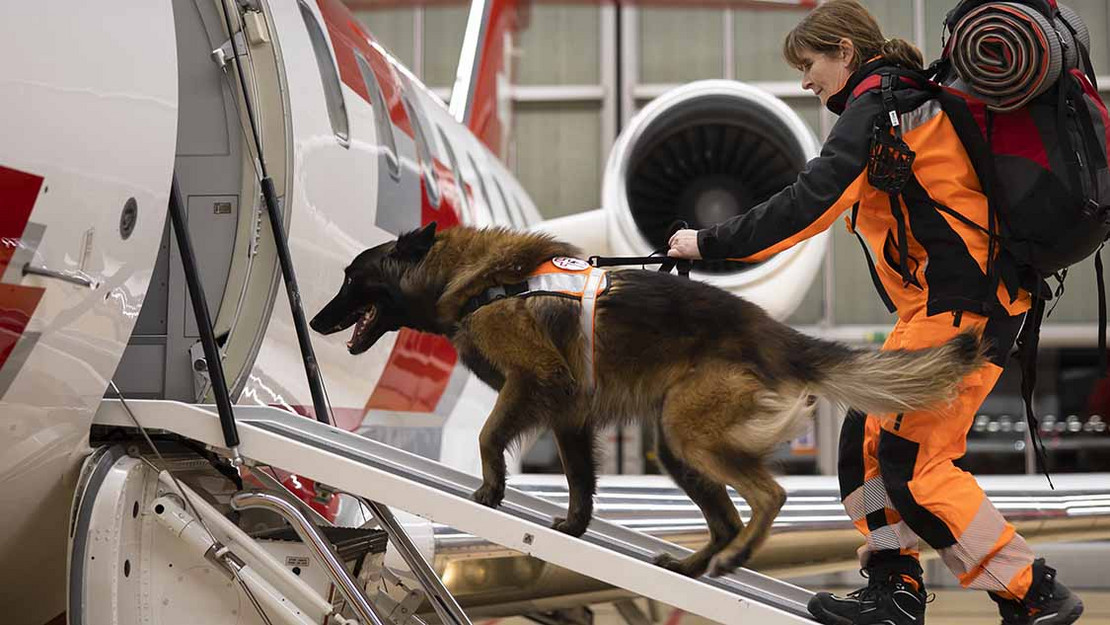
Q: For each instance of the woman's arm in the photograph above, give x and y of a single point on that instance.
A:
(829, 185)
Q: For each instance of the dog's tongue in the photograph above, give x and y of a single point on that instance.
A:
(361, 326)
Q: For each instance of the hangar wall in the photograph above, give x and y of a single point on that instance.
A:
(582, 70)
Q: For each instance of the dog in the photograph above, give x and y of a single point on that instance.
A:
(722, 382)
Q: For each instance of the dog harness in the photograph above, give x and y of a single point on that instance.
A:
(560, 277)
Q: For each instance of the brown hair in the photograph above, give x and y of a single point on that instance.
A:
(824, 27)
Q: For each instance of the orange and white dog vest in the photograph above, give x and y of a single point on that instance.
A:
(562, 277)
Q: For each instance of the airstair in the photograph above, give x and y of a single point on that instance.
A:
(395, 478)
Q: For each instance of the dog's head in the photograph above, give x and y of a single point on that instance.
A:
(371, 298)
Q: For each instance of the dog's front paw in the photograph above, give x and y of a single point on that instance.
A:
(682, 567)
(728, 561)
(490, 496)
(569, 526)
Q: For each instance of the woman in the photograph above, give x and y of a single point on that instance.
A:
(897, 478)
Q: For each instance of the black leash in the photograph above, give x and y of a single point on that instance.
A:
(658, 257)
(666, 263)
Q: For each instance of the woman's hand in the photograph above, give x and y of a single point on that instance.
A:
(684, 244)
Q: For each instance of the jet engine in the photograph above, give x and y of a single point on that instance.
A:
(702, 153)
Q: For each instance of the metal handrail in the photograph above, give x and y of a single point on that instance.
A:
(311, 537)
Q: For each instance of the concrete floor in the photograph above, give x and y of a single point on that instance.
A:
(1082, 566)
(951, 607)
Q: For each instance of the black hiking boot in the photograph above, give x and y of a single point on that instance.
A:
(894, 595)
(1048, 602)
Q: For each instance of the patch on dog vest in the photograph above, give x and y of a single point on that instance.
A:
(570, 264)
(563, 277)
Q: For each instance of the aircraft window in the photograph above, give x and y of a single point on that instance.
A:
(482, 188)
(460, 183)
(423, 150)
(381, 117)
(516, 220)
(329, 76)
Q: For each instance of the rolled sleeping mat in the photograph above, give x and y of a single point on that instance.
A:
(1008, 53)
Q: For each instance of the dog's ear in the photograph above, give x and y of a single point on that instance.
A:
(414, 245)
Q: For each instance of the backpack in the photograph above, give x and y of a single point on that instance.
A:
(1038, 141)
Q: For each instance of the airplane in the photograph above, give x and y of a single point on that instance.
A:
(302, 115)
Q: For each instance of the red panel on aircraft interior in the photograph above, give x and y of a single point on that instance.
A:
(18, 191)
(416, 375)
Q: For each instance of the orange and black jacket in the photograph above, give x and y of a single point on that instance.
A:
(946, 264)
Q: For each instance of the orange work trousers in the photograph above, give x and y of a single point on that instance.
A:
(898, 481)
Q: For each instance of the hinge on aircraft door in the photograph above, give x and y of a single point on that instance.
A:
(257, 33)
(223, 54)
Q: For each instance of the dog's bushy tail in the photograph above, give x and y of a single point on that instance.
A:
(896, 380)
(777, 417)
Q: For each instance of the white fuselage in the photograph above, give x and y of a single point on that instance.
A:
(89, 121)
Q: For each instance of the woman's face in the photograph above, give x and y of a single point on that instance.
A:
(826, 73)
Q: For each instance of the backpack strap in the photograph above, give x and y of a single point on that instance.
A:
(889, 105)
(894, 190)
(1101, 311)
(1071, 154)
(1084, 54)
(993, 275)
(1027, 341)
(1004, 263)
(1096, 159)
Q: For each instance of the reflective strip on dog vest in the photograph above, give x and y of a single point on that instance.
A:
(564, 277)
(595, 283)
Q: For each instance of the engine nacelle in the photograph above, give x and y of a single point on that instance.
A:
(703, 153)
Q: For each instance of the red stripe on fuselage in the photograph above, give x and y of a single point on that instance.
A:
(419, 368)
(484, 121)
(18, 192)
(348, 38)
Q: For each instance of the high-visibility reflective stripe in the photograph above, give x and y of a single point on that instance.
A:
(977, 558)
(589, 301)
(866, 499)
(569, 283)
(920, 115)
(894, 537)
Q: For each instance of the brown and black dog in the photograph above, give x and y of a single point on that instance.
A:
(723, 382)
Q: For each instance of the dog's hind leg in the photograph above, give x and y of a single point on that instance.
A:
(759, 488)
(701, 417)
(576, 450)
(713, 500)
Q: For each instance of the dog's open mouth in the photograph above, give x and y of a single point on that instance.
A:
(363, 336)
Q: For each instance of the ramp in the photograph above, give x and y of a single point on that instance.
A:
(607, 552)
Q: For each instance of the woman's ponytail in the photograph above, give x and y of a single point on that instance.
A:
(903, 53)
